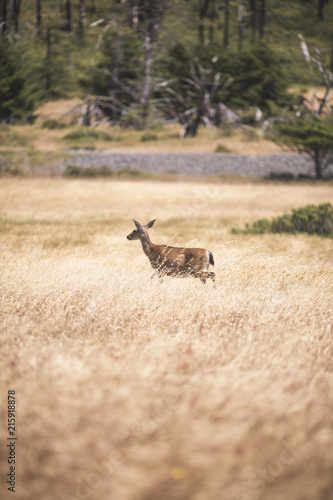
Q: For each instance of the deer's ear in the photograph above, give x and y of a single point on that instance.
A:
(150, 224)
(138, 225)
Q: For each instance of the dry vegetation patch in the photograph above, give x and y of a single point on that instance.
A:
(131, 390)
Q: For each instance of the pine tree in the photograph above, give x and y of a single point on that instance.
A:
(15, 101)
(312, 136)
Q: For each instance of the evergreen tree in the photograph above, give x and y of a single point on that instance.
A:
(313, 136)
(15, 101)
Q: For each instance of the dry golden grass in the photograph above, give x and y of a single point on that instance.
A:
(131, 390)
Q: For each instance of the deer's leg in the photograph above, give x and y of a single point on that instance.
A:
(204, 275)
(159, 276)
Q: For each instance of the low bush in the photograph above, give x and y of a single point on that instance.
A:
(104, 171)
(83, 135)
(53, 124)
(221, 148)
(76, 171)
(148, 136)
(311, 219)
(281, 176)
(134, 172)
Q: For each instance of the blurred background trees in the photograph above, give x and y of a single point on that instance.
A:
(142, 61)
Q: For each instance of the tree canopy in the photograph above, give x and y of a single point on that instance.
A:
(15, 103)
(313, 136)
(152, 59)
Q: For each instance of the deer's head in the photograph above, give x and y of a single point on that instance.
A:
(140, 230)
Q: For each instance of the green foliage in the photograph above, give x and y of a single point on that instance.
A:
(50, 66)
(259, 78)
(310, 135)
(84, 135)
(312, 219)
(119, 64)
(107, 57)
(134, 172)
(15, 102)
(305, 134)
(53, 124)
(221, 148)
(148, 137)
(281, 176)
(76, 171)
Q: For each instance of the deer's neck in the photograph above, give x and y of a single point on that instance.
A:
(147, 245)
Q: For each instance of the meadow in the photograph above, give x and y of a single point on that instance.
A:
(126, 389)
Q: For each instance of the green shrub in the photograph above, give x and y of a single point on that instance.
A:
(221, 148)
(148, 136)
(16, 102)
(53, 124)
(76, 171)
(104, 171)
(311, 219)
(82, 134)
(133, 172)
(282, 176)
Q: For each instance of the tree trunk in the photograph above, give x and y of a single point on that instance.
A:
(211, 20)
(262, 18)
(48, 64)
(241, 21)
(203, 7)
(86, 120)
(318, 164)
(153, 15)
(16, 14)
(68, 23)
(148, 47)
(192, 128)
(332, 51)
(226, 24)
(39, 16)
(254, 20)
(4, 27)
(321, 5)
(82, 15)
(132, 14)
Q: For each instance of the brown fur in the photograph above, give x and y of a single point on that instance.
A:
(174, 261)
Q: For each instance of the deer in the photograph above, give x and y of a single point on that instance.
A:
(173, 261)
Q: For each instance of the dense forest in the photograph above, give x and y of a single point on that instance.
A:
(137, 62)
(141, 55)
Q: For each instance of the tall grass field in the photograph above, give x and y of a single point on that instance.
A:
(128, 389)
